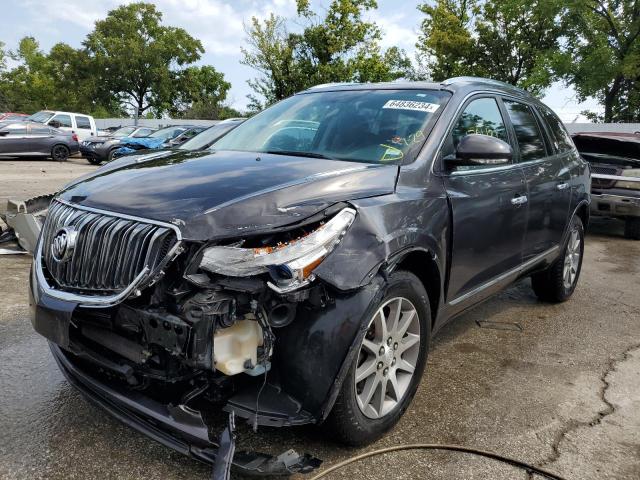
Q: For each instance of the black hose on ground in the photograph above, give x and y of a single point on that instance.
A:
(452, 448)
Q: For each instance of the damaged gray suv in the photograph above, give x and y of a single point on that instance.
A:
(297, 271)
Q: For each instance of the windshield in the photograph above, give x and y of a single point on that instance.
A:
(123, 132)
(207, 137)
(40, 117)
(372, 126)
(167, 133)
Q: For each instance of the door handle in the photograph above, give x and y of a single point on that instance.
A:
(519, 200)
(562, 186)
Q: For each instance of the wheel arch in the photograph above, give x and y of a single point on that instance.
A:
(423, 265)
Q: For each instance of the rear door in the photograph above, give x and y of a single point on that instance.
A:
(489, 217)
(547, 176)
(62, 121)
(84, 127)
(41, 138)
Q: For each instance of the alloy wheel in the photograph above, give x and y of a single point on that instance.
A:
(572, 259)
(60, 152)
(388, 358)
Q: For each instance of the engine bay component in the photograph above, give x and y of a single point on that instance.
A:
(290, 264)
(235, 348)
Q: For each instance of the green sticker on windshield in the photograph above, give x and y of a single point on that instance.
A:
(391, 153)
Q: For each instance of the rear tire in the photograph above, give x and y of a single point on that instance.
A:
(632, 228)
(557, 283)
(356, 421)
(60, 153)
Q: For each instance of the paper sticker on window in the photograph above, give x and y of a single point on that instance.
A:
(412, 105)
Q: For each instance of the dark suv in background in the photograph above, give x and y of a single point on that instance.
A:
(298, 272)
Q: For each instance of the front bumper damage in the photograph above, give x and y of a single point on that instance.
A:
(310, 359)
(180, 429)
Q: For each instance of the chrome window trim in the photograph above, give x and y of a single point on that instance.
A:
(504, 276)
(99, 301)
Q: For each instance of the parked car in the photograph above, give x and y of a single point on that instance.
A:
(615, 167)
(12, 117)
(154, 141)
(185, 136)
(30, 139)
(211, 135)
(297, 272)
(82, 125)
(101, 148)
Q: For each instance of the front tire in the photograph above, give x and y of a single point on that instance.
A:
(386, 372)
(558, 282)
(632, 228)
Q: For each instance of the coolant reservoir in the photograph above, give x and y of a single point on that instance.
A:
(233, 346)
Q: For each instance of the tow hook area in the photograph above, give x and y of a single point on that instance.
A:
(257, 464)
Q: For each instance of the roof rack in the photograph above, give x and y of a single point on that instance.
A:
(489, 81)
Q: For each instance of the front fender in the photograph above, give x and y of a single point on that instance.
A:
(314, 353)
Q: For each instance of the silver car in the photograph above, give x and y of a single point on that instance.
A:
(31, 139)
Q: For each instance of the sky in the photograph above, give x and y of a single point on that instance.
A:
(219, 25)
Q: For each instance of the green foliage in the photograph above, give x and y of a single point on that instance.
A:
(130, 61)
(339, 46)
(602, 55)
(508, 40)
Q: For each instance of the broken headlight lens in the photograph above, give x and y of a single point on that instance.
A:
(290, 264)
(631, 185)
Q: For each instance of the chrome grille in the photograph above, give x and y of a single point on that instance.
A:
(110, 251)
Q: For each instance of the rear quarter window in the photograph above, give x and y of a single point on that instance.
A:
(83, 122)
(559, 135)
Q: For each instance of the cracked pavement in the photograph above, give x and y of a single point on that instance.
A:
(563, 393)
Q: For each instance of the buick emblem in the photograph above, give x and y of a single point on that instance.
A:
(64, 241)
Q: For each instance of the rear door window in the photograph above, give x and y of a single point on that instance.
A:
(528, 134)
(63, 120)
(83, 122)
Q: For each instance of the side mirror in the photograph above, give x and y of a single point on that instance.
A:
(475, 149)
(54, 124)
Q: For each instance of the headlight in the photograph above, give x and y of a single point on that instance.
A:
(290, 264)
(631, 185)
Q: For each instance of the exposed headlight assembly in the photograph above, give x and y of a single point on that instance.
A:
(290, 265)
(630, 184)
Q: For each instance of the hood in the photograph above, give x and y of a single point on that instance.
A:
(212, 195)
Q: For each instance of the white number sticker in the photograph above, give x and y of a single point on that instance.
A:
(412, 105)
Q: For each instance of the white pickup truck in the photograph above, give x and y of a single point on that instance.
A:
(82, 125)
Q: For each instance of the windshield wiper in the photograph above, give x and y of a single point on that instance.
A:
(295, 153)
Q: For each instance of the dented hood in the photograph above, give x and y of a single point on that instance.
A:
(212, 195)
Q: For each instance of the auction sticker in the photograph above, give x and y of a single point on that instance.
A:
(412, 105)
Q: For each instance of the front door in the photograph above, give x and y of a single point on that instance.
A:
(489, 209)
(548, 180)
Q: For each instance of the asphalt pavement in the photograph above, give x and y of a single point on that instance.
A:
(556, 386)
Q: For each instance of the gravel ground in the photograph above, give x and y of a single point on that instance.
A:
(563, 393)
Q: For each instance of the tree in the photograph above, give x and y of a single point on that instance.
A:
(60, 80)
(602, 55)
(271, 51)
(445, 45)
(339, 46)
(139, 60)
(508, 40)
(201, 93)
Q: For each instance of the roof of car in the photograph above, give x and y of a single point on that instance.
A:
(456, 84)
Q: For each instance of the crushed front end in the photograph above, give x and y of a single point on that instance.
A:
(169, 334)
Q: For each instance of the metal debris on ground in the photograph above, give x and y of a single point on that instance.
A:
(25, 219)
(495, 325)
